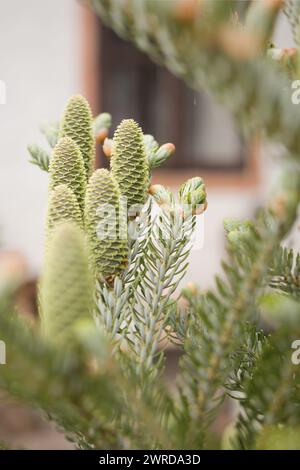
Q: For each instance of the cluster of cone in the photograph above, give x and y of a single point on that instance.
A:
(75, 253)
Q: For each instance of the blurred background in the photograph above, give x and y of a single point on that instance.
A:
(50, 50)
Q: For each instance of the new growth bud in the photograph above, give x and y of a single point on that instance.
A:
(163, 196)
(193, 194)
(107, 147)
(162, 154)
(101, 136)
(102, 124)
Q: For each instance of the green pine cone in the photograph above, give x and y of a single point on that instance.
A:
(62, 207)
(66, 167)
(77, 123)
(107, 242)
(66, 286)
(129, 162)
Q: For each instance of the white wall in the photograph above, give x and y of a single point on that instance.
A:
(40, 60)
(233, 203)
(40, 65)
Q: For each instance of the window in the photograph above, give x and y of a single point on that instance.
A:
(206, 139)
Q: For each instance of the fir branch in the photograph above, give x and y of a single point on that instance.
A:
(39, 157)
(218, 329)
(271, 392)
(292, 11)
(113, 309)
(164, 265)
(285, 272)
(93, 407)
(114, 301)
(138, 235)
(61, 384)
(244, 362)
(51, 132)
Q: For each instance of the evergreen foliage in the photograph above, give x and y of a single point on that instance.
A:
(97, 369)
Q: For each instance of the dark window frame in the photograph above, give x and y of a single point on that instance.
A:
(94, 79)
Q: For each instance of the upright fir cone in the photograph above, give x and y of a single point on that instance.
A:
(77, 123)
(129, 163)
(66, 286)
(67, 167)
(103, 222)
(62, 207)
